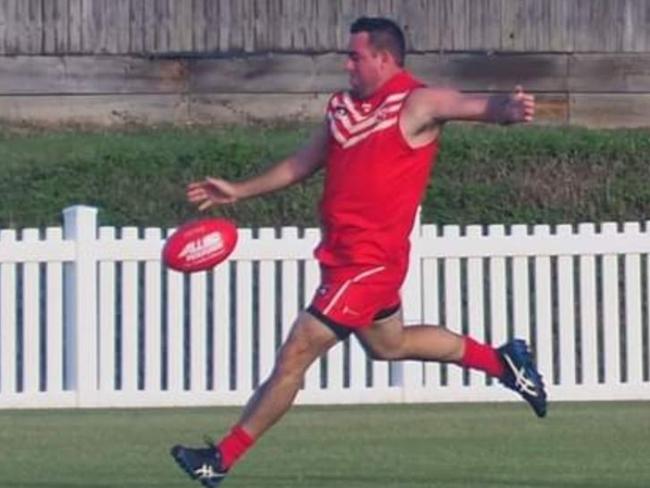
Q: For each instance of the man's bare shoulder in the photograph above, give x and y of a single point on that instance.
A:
(419, 121)
(422, 105)
(427, 97)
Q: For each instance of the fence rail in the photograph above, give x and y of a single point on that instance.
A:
(90, 318)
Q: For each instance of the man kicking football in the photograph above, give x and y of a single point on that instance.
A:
(377, 147)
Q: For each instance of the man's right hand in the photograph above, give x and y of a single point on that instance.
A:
(216, 191)
(211, 192)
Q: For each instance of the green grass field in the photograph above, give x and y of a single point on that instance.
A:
(496, 445)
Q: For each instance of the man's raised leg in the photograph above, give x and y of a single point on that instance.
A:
(512, 363)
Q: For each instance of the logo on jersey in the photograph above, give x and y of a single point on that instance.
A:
(350, 311)
(323, 290)
(341, 111)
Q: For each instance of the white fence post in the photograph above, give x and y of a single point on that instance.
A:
(8, 314)
(410, 374)
(80, 225)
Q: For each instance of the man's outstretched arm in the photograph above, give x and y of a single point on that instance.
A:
(297, 167)
(429, 108)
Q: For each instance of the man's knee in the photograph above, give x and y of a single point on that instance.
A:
(293, 358)
(306, 342)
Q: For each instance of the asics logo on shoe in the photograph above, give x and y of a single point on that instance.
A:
(522, 383)
(206, 471)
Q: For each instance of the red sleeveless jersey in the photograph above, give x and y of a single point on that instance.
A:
(374, 182)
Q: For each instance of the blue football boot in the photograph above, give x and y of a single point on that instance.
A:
(522, 376)
(201, 464)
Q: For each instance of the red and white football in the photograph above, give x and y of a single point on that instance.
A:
(200, 245)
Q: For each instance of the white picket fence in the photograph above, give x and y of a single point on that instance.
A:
(91, 319)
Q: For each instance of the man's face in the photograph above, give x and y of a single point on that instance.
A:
(364, 65)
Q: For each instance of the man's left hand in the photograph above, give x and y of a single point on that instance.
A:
(519, 107)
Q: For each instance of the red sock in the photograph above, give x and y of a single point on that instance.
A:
(482, 357)
(234, 445)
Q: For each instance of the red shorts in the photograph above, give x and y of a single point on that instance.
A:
(351, 301)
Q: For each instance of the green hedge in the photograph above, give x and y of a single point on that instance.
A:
(484, 174)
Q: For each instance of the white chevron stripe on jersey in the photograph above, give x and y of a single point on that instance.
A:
(348, 126)
(356, 116)
(395, 97)
(337, 107)
(378, 115)
(381, 126)
(347, 101)
(340, 138)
